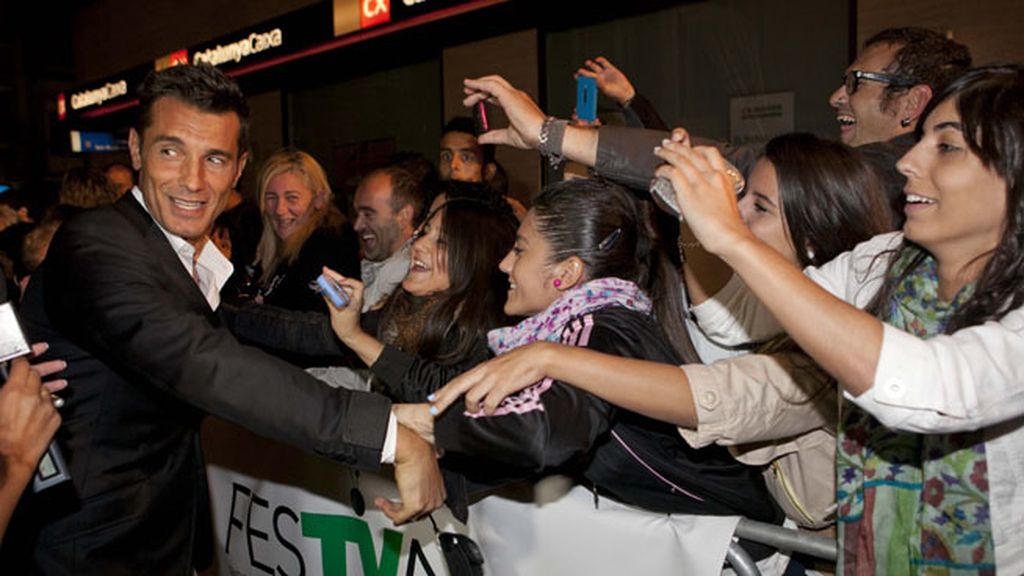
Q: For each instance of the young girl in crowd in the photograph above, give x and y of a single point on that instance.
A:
(805, 192)
(931, 446)
(585, 272)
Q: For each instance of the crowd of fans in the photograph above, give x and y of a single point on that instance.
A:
(834, 346)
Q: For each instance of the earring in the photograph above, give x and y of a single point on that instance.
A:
(810, 254)
(905, 122)
(557, 282)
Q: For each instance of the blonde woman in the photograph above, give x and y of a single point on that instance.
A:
(303, 231)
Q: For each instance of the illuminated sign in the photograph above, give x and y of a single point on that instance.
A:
(374, 12)
(99, 95)
(96, 142)
(62, 107)
(176, 58)
(235, 51)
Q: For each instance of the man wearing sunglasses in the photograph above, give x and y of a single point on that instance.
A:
(887, 87)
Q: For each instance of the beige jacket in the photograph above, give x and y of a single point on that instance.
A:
(778, 411)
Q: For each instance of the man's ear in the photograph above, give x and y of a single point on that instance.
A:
(570, 271)
(489, 171)
(405, 216)
(135, 149)
(242, 161)
(913, 103)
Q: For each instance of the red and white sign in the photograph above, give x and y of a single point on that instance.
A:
(374, 12)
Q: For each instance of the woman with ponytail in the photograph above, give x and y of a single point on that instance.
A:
(585, 273)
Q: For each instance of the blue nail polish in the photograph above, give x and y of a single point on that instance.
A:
(431, 397)
(433, 410)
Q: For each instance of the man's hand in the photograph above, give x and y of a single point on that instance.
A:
(418, 477)
(524, 116)
(417, 418)
(610, 80)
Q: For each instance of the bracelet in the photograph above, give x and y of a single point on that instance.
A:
(552, 131)
(684, 246)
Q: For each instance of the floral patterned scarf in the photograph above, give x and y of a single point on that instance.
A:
(912, 503)
(548, 325)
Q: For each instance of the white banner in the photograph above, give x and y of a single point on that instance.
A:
(279, 511)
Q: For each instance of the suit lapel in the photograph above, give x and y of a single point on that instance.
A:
(165, 258)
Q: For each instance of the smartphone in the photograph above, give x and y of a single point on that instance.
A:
(334, 292)
(586, 98)
(481, 119)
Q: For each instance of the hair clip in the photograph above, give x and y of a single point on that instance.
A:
(609, 240)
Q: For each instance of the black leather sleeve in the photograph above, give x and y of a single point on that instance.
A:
(640, 113)
(626, 155)
(564, 424)
(411, 378)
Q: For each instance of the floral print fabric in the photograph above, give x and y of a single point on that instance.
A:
(912, 503)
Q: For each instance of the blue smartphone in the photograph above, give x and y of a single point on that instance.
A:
(334, 292)
(586, 98)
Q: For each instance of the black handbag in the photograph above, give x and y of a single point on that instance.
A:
(461, 553)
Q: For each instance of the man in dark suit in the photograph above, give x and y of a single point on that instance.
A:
(128, 298)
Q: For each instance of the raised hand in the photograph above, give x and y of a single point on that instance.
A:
(610, 80)
(705, 192)
(524, 116)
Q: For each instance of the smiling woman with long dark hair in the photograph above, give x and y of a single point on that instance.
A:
(932, 437)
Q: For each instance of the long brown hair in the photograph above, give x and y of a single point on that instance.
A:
(477, 232)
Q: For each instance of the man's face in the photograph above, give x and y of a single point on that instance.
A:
(188, 161)
(381, 229)
(864, 116)
(461, 158)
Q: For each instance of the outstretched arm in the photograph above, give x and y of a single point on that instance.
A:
(842, 339)
(660, 391)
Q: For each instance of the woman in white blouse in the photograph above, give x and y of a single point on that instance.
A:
(931, 457)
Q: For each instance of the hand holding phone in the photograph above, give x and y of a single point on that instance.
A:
(481, 119)
(586, 98)
(328, 287)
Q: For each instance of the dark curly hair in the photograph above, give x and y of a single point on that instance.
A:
(925, 56)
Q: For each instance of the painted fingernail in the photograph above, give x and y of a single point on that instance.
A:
(666, 142)
(433, 410)
(431, 397)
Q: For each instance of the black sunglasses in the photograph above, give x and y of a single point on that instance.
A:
(851, 80)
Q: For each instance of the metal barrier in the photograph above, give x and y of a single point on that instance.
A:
(785, 539)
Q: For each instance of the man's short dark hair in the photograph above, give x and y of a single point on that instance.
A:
(202, 86)
(405, 189)
(923, 55)
(465, 125)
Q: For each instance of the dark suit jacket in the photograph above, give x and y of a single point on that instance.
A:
(147, 359)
